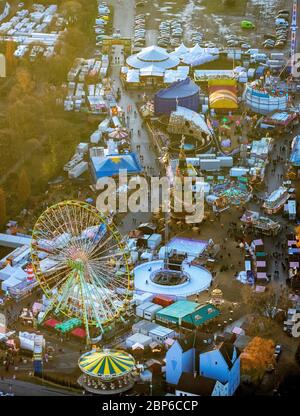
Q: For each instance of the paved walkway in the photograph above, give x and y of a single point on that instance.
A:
(141, 143)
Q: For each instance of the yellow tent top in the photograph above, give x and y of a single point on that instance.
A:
(223, 98)
(106, 364)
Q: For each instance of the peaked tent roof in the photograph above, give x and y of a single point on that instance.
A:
(181, 50)
(197, 49)
(151, 70)
(153, 55)
(179, 89)
(112, 164)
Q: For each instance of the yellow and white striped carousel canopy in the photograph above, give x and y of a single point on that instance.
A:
(106, 364)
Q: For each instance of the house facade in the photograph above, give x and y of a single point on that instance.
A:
(179, 359)
(222, 364)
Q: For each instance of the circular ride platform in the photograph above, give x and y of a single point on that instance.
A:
(195, 279)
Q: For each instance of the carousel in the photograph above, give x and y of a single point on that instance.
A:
(106, 371)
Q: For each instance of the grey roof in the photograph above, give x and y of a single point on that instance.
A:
(199, 385)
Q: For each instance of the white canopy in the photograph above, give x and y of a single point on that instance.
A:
(6, 272)
(197, 49)
(152, 70)
(192, 116)
(133, 75)
(19, 274)
(180, 51)
(153, 55)
(9, 283)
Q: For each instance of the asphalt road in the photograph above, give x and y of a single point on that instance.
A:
(23, 388)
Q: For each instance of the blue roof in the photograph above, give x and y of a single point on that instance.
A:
(295, 155)
(179, 89)
(111, 165)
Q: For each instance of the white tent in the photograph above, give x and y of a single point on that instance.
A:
(10, 283)
(133, 75)
(197, 50)
(6, 272)
(19, 274)
(152, 70)
(153, 55)
(189, 115)
(181, 51)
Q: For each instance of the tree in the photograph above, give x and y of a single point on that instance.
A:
(267, 303)
(2, 207)
(24, 187)
(257, 357)
(71, 9)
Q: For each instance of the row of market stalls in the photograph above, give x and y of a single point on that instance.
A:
(294, 258)
(86, 88)
(255, 265)
(16, 274)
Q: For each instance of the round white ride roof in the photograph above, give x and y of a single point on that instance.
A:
(153, 55)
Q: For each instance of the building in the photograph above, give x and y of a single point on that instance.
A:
(141, 339)
(180, 358)
(295, 152)
(194, 385)
(152, 56)
(197, 356)
(140, 309)
(174, 313)
(160, 333)
(150, 312)
(186, 313)
(143, 327)
(147, 68)
(200, 316)
(182, 93)
(222, 364)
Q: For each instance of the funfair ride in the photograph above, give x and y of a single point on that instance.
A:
(82, 265)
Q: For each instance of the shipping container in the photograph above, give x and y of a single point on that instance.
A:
(78, 170)
(150, 312)
(163, 300)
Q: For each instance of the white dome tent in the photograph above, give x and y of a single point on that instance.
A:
(153, 55)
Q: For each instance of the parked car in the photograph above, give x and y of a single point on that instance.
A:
(278, 351)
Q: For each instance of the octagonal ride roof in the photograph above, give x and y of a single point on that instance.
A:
(153, 55)
(106, 364)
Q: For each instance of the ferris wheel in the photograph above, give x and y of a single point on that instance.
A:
(82, 264)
